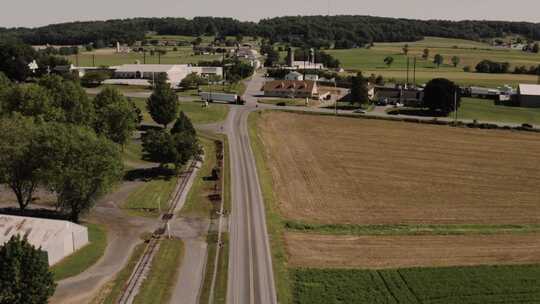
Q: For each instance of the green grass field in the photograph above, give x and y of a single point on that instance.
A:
(486, 110)
(470, 53)
(149, 197)
(84, 257)
(194, 110)
(107, 57)
(158, 285)
(455, 285)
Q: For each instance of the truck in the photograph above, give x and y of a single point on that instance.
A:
(220, 97)
(484, 92)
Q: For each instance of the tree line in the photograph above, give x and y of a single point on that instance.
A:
(344, 31)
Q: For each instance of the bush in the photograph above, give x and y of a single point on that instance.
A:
(281, 104)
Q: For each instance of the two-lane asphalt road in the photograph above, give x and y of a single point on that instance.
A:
(251, 278)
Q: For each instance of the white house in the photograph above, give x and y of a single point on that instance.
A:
(58, 238)
(294, 76)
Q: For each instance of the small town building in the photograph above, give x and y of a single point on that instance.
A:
(294, 76)
(291, 89)
(58, 238)
(529, 95)
(80, 71)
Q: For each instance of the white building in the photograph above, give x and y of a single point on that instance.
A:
(175, 72)
(294, 76)
(58, 238)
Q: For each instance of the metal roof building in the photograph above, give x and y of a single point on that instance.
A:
(529, 95)
(58, 238)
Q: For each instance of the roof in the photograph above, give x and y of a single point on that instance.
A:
(529, 89)
(156, 68)
(290, 85)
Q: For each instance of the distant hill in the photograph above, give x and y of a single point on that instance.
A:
(317, 31)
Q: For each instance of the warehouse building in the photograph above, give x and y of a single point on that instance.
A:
(529, 95)
(175, 72)
(58, 238)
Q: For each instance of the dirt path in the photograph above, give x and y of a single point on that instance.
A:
(123, 233)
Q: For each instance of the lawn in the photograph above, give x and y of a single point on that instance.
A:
(108, 57)
(220, 289)
(486, 110)
(157, 287)
(470, 53)
(194, 110)
(455, 285)
(84, 257)
(150, 197)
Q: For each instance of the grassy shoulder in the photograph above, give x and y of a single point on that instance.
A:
(345, 229)
(296, 102)
(220, 288)
(273, 218)
(193, 109)
(449, 285)
(84, 257)
(113, 290)
(159, 284)
(486, 110)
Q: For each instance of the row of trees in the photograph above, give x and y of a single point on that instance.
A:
(302, 31)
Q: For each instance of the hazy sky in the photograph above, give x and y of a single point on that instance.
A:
(42, 12)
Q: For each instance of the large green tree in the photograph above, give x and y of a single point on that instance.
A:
(183, 124)
(71, 98)
(440, 94)
(85, 167)
(116, 116)
(359, 89)
(32, 100)
(163, 103)
(25, 277)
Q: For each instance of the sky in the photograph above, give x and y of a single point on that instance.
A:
(31, 13)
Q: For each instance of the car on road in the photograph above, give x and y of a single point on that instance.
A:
(359, 111)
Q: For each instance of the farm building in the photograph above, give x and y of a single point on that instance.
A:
(175, 72)
(294, 76)
(291, 89)
(392, 95)
(529, 95)
(58, 238)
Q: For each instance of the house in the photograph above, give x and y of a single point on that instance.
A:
(58, 238)
(384, 95)
(291, 89)
(529, 95)
(294, 76)
(175, 72)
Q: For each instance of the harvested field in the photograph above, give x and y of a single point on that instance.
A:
(382, 252)
(354, 171)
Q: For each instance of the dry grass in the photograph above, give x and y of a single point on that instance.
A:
(380, 252)
(354, 171)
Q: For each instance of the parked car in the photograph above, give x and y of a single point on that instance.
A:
(359, 111)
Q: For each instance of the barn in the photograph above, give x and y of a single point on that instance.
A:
(529, 95)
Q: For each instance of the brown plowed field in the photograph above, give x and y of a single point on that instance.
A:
(345, 170)
(379, 252)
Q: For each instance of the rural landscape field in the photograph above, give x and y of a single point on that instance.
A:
(382, 211)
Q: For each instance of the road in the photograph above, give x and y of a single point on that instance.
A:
(251, 278)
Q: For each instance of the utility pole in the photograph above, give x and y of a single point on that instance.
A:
(455, 104)
(93, 60)
(159, 57)
(144, 56)
(414, 72)
(407, 70)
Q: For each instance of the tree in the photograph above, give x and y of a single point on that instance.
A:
(197, 41)
(405, 49)
(84, 168)
(183, 124)
(94, 78)
(439, 95)
(272, 57)
(71, 98)
(116, 117)
(536, 48)
(192, 80)
(163, 103)
(32, 100)
(25, 277)
(21, 158)
(389, 60)
(14, 59)
(425, 54)
(359, 89)
(157, 146)
(438, 60)
(455, 61)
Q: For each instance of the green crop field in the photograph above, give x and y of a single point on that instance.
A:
(454, 285)
(470, 53)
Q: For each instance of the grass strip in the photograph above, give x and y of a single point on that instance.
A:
(461, 229)
(157, 287)
(85, 257)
